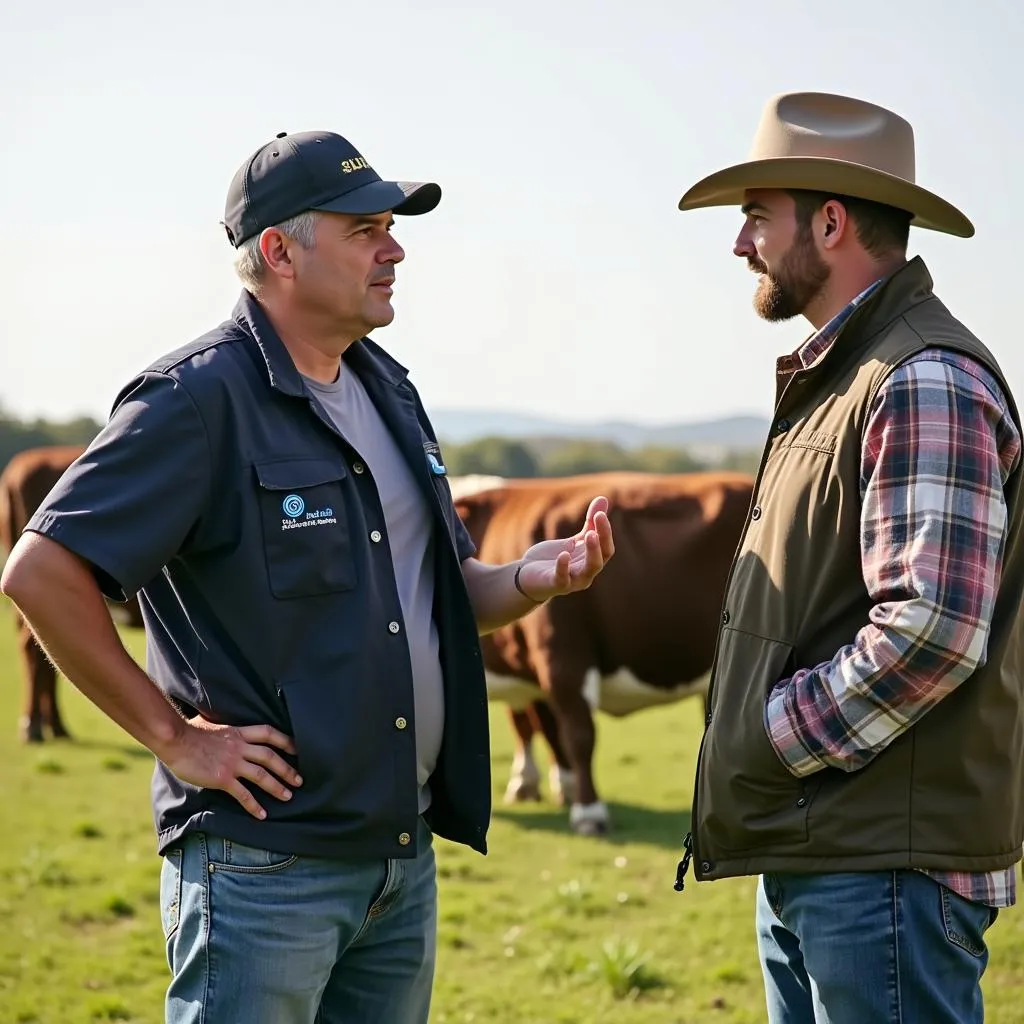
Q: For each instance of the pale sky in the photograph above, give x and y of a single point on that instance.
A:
(557, 275)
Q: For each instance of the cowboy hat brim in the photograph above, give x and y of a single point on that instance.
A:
(821, 174)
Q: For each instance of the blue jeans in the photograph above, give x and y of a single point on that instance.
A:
(883, 947)
(268, 938)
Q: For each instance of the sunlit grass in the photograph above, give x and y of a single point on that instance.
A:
(548, 929)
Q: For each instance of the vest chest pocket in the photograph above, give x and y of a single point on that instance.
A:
(305, 530)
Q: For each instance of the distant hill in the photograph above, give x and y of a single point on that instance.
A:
(461, 425)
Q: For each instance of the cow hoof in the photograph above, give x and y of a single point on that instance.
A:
(60, 733)
(590, 828)
(30, 730)
(589, 819)
(520, 792)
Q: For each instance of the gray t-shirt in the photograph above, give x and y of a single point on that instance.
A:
(410, 531)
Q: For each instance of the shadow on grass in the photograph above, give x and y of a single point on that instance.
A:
(630, 823)
(124, 749)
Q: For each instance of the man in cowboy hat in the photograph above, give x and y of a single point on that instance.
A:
(863, 752)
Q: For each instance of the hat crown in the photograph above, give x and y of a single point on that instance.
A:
(826, 126)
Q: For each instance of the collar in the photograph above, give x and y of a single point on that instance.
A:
(814, 347)
(364, 356)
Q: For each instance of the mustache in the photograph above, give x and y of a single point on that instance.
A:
(756, 265)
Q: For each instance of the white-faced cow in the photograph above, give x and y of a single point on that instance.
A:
(642, 635)
(24, 483)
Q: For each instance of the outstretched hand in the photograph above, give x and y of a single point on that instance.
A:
(554, 567)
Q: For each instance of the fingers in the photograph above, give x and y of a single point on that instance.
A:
(563, 571)
(604, 535)
(597, 520)
(597, 504)
(246, 799)
(267, 734)
(266, 769)
(268, 781)
(586, 568)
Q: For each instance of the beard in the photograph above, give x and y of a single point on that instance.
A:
(796, 282)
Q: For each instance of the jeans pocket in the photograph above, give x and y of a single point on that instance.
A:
(965, 922)
(227, 855)
(773, 892)
(170, 891)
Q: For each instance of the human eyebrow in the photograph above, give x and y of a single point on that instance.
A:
(372, 222)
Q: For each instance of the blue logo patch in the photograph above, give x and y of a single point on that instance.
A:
(435, 465)
(293, 506)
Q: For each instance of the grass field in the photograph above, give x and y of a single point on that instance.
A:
(547, 929)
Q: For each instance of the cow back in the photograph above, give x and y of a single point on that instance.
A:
(26, 480)
(655, 607)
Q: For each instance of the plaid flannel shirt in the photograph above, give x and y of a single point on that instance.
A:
(938, 446)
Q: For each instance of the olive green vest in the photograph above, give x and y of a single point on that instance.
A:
(948, 793)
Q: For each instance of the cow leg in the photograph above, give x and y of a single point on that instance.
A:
(40, 683)
(587, 815)
(51, 708)
(524, 782)
(561, 779)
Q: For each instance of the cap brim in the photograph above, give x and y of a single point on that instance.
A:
(404, 197)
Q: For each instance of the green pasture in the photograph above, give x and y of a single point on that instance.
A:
(549, 928)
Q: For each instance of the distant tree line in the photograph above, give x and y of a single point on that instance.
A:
(502, 456)
(17, 435)
(499, 456)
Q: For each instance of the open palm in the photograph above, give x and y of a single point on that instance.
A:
(554, 567)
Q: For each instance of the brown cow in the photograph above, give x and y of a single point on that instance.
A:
(24, 483)
(642, 635)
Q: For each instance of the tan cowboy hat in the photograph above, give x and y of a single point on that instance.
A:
(827, 143)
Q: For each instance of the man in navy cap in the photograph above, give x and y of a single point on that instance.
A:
(314, 695)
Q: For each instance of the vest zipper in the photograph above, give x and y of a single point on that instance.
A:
(684, 863)
(690, 840)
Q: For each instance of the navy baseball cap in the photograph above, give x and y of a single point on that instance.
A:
(314, 171)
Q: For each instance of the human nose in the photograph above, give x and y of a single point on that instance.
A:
(391, 252)
(744, 244)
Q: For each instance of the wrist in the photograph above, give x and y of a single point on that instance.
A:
(166, 733)
(519, 586)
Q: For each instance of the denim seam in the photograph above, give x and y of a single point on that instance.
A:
(175, 857)
(397, 870)
(375, 908)
(898, 986)
(207, 958)
(779, 896)
(226, 863)
(249, 869)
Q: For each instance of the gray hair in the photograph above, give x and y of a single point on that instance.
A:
(249, 263)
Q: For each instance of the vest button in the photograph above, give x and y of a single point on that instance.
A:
(755, 512)
(707, 718)
(802, 801)
(375, 536)
(358, 467)
(394, 627)
(782, 426)
(705, 865)
(725, 618)
(404, 839)
(400, 723)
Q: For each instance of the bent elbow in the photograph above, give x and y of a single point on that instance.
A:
(33, 569)
(15, 581)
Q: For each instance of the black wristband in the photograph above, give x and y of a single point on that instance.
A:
(519, 586)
